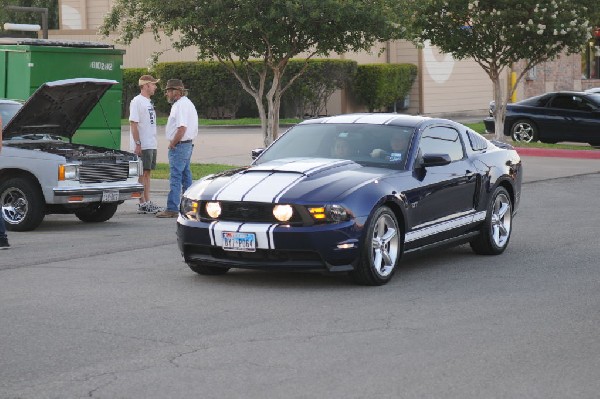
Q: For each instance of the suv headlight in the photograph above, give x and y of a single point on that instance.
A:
(68, 172)
(135, 168)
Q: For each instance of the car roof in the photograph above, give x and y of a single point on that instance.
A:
(372, 119)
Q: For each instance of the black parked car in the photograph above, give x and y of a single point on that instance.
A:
(553, 117)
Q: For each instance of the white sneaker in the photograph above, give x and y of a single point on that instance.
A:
(151, 207)
(143, 208)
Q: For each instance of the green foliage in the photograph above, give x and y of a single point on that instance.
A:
(199, 170)
(217, 94)
(271, 31)
(380, 85)
(308, 95)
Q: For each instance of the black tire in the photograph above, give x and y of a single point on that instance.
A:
(97, 212)
(524, 130)
(207, 270)
(497, 228)
(381, 249)
(23, 204)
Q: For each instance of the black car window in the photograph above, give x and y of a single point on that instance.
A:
(367, 144)
(569, 101)
(442, 140)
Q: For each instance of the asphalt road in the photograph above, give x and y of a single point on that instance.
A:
(111, 311)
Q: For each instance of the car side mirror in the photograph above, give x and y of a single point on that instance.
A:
(428, 160)
(256, 153)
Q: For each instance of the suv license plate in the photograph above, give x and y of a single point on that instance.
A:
(234, 241)
(110, 196)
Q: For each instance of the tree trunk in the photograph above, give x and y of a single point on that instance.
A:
(500, 110)
(273, 104)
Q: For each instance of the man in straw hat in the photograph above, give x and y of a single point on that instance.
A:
(142, 137)
(182, 128)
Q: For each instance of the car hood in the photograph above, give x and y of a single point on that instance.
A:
(58, 108)
(288, 180)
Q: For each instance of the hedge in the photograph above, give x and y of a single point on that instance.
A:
(216, 93)
(380, 85)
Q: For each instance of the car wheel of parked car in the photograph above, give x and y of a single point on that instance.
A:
(96, 213)
(524, 130)
(207, 270)
(497, 227)
(23, 206)
(381, 249)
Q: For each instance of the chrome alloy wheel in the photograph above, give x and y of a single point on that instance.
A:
(14, 205)
(501, 220)
(523, 131)
(385, 243)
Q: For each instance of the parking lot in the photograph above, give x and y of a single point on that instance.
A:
(111, 311)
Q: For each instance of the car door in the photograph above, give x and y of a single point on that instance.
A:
(445, 193)
(573, 118)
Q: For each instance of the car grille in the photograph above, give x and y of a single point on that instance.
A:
(103, 172)
(253, 212)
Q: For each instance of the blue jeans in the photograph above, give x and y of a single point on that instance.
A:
(180, 174)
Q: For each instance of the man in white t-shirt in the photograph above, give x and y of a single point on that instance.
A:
(181, 130)
(142, 137)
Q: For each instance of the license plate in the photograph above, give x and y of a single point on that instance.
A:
(234, 241)
(110, 196)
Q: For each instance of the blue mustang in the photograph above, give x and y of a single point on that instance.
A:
(353, 193)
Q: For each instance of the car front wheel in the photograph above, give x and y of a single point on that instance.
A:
(381, 250)
(497, 227)
(523, 130)
(22, 204)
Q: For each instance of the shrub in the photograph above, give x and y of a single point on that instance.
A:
(379, 85)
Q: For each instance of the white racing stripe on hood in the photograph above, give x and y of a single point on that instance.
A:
(271, 188)
(236, 189)
(263, 232)
(268, 183)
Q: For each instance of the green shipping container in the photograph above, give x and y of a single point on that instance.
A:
(25, 64)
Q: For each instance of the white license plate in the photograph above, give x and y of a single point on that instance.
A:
(234, 241)
(110, 196)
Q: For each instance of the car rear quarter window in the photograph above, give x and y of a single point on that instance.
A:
(442, 140)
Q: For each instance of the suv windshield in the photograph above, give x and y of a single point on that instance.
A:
(366, 144)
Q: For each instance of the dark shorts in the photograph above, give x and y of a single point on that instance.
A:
(149, 159)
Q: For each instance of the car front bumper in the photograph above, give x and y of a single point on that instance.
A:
(96, 193)
(327, 247)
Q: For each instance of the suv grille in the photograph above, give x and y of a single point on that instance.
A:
(103, 172)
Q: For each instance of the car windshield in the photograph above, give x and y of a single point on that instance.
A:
(366, 144)
(8, 110)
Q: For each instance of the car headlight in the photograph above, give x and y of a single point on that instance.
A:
(283, 213)
(68, 172)
(213, 209)
(135, 168)
(189, 208)
(329, 213)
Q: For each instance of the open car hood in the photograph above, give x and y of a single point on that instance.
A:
(58, 108)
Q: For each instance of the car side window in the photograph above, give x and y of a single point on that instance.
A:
(442, 140)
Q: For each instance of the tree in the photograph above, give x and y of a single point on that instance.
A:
(498, 33)
(272, 31)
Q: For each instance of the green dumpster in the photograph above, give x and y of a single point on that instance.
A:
(27, 63)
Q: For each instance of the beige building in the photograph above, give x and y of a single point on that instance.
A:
(444, 86)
